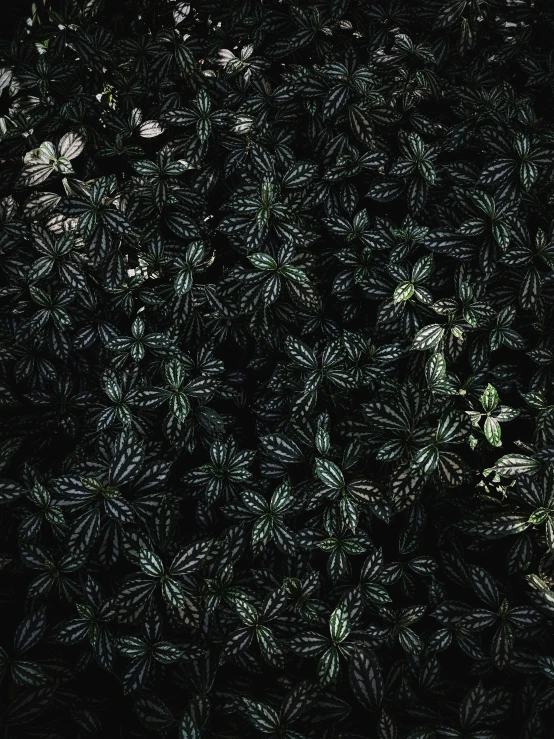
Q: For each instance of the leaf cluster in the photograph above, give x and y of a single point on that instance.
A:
(276, 353)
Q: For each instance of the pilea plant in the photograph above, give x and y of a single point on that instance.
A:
(276, 350)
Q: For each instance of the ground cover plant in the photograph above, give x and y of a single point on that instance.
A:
(276, 353)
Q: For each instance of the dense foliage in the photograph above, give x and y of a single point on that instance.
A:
(276, 353)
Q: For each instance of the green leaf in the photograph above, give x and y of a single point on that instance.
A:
(428, 337)
(263, 261)
(484, 202)
(513, 465)
(282, 498)
(546, 665)
(489, 399)
(385, 189)
(282, 448)
(299, 175)
(84, 532)
(339, 625)
(71, 145)
(191, 558)
(404, 291)
(328, 667)
(435, 369)
(151, 564)
(366, 679)
(300, 353)
(473, 707)
(450, 13)
(183, 282)
(329, 474)
(426, 460)
(188, 728)
(146, 168)
(150, 129)
(499, 526)
(308, 644)
(262, 717)
(34, 174)
(127, 459)
(423, 268)
(410, 641)
(493, 431)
